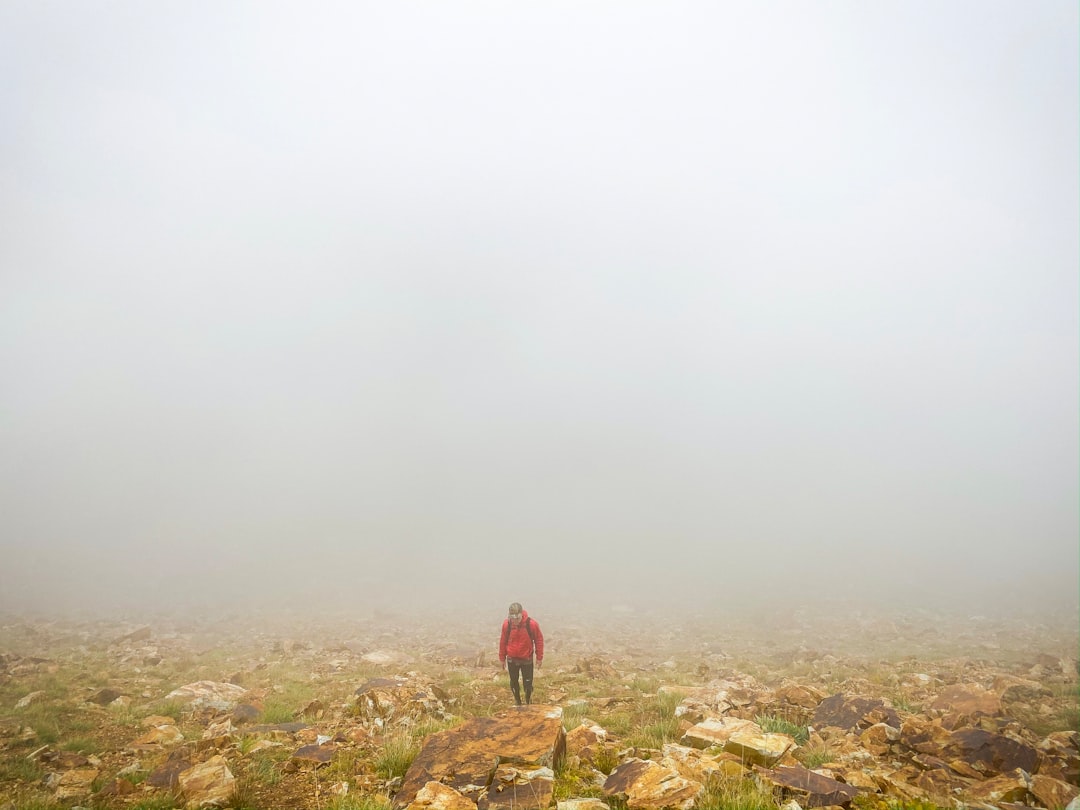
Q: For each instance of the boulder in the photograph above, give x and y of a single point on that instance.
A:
(596, 667)
(382, 699)
(853, 713)
(105, 696)
(808, 788)
(988, 753)
(32, 697)
(645, 784)
(1004, 788)
(805, 697)
(711, 732)
(208, 784)
(697, 765)
(878, 738)
(759, 748)
(157, 737)
(1052, 793)
(468, 758)
(75, 784)
(317, 754)
(582, 804)
(1061, 756)
(966, 699)
(167, 775)
(437, 796)
(516, 785)
(208, 695)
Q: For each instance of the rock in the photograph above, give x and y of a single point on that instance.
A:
(1011, 788)
(383, 658)
(157, 737)
(805, 697)
(381, 699)
(1052, 793)
(208, 784)
(1061, 756)
(103, 697)
(595, 667)
(154, 720)
(645, 784)
(314, 710)
(117, 787)
(33, 697)
(513, 784)
(923, 735)
(318, 754)
(437, 796)
(586, 734)
(582, 804)
(245, 713)
(809, 788)
(988, 753)
(942, 785)
(853, 713)
(900, 784)
(962, 704)
(75, 784)
(710, 732)
(208, 695)
(878, 738)
(697, 765)
(167, 775)
(467, 757)
(759, 749)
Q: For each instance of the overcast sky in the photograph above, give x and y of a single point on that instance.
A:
(470, 302)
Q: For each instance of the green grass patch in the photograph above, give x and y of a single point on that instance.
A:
(19, 767)
(573, 715)
(606, 759)
(778, 725)
(278, 711)
(872, 801)
(814, 756)
(620, 723)
(656, 734)
(82, 745)
(359, 802)
(37, 803)
(736, 794)
(396, 755)
(169, 708)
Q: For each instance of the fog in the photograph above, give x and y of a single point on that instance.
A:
(428, 306)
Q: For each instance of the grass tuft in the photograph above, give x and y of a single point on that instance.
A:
(736, 794)
(778, 725)
(396, 755)
(359, 802)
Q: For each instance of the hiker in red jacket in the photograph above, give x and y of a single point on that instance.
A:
(519, 638)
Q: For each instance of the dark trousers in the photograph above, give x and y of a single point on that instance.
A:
(525, 667)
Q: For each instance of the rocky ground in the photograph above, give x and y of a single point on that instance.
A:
(707, 711)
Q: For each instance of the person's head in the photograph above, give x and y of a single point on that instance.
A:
(515, 612)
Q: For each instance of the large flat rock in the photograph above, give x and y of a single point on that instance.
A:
(503, 760)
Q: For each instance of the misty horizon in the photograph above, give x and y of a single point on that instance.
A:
(416, 308)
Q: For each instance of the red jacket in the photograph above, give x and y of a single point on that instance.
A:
(516, 643)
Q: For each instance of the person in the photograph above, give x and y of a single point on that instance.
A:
(519, 640)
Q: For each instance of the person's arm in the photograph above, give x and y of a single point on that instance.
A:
(503, 636)
(538, 643)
